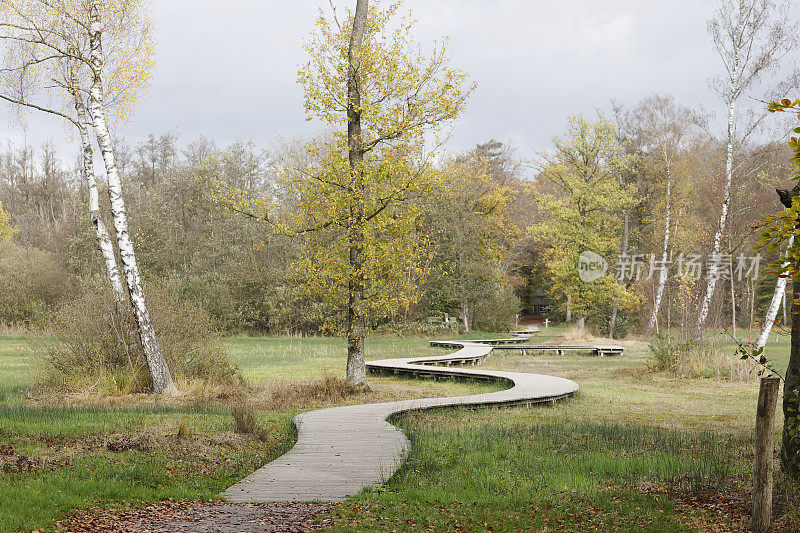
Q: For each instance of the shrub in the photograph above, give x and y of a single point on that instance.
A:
(290, 395)
(496, 310)
(31, 282)
(686, 358)
(95, 346)
(665, 352)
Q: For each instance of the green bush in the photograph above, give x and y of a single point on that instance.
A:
(666, 351)
(496, 310)
(94, 345)
(31, 283)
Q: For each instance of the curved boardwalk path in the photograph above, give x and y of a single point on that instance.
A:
(341, 450)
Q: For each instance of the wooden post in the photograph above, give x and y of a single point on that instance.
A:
(765, 451)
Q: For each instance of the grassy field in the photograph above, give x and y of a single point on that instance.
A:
(635, 450)
(57, 458)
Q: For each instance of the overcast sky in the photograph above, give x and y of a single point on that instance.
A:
(227, 69)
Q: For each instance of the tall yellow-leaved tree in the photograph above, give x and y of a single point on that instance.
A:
(369, 81)
(385, 104)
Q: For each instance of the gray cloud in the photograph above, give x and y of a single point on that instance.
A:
(227, 69)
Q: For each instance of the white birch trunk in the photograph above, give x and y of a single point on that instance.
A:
(733, 307)
(662, 274)
(783, 305)
(723, 219)
(772, 311)
(103, 238)
(157, 364)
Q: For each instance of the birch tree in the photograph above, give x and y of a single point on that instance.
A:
(662, 128)
(58, 43)
(29, 61)
(104, 242)
(157, 364)
(778, 229)
(750, 37)
(778, 297)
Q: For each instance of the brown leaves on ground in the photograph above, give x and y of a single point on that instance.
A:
(201, 517)
(728, 509)
(13, 462)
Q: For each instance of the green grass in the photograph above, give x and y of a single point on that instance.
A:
(263, 359)
(620, 456)
(193, 451)
(188, 454)
(617, 457)
(16, 370)
(500, 473)
(269, 358)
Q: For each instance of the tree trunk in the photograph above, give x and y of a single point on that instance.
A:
(777, 297)
(104, 243)
(751, 292)
(733, 307)
(569, 309)
(764, 455)
(156, 363)
(662, 274)
(790, 450)
(465, 316)
(612, 323)
(580, 326)
(723, 219)
(356, 312)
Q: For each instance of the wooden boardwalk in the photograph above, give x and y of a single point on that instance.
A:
(341, 450)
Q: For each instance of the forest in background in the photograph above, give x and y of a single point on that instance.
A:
(487, 232)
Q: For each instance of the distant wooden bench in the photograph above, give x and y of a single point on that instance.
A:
(452, 322)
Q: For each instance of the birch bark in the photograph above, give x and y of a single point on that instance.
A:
(723, 218)
(157, 364)
(772, 311)
(104, 242)
(662, 274)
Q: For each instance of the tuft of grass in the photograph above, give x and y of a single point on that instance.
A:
(328, 389)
